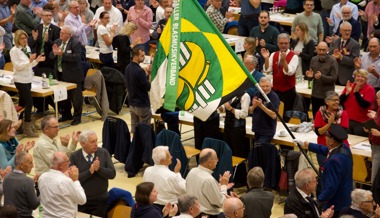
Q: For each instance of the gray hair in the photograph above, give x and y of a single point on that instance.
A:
(159, 153)
(346, 6)
(67, 28)
(205, 158)
(283, 36)
(264, 79)
(45, 121)
(20, 158)
(185, 202)
(330, 94)
(83, 137)
(359, 195)
(253, 59)
(255, 178)
(345, 23)
(304, 176)
(56, 159)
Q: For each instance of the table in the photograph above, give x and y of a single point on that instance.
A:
(37, 90)
(232, 39)
(302, 89)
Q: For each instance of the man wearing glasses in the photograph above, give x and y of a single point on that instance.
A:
(47, 144)
(312, 20)
(336, 15)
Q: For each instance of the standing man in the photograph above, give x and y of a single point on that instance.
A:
(370, 61)
(188, 206)
(95, 169)
(283, 65)
(68, 67)
(6, 21)
(250, 10)
(47, 144)
(347, 16)
(265, 35)
(370, 15)
(336, 14)
(161, 9)
(345, 49)
(323, 71)
(259, 201)
(138, 86)
(300, 200)
(336, 171)
(264, 120)
(19, 188)
(325, 14)
(250, 62)
(25, 18)
(201, 184)
(312, 20)
(61, 191)
(115, 15)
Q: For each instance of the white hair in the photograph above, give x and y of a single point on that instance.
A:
(159, 153)
(359, 195)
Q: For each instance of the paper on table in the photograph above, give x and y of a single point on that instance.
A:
(362, 146)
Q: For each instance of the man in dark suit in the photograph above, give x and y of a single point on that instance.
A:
(345, 49)
(95, 169)
(335, 176)
(347, 16)
(41, 42)
(66, 54)
(257, 201)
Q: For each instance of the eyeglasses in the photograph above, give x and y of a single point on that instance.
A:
(369, 201)
(309, 5)
(332, 99)
(106, 17)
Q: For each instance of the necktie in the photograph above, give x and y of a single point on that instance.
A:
(313, 206)
(25, 52)
(42, 51)
(89, 157)
(60, 57)
(342, 45)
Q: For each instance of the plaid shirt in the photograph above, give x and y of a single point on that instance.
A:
(217, 18)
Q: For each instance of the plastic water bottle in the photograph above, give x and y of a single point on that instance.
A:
(51, 82)
(45, 84)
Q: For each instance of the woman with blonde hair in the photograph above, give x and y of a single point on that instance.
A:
(123, 43)
(23, 62)
(303, 47)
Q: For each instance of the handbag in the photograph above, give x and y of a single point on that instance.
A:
(283, 183)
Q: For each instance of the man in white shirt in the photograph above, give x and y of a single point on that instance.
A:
(201, 184)
(47, 144)
(60, 189)
(115, 15)
(170, 185)
(188, 206)
(160, 11)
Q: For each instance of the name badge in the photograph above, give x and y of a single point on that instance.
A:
(69, 51)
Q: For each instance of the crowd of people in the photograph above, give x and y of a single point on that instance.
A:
(323, 46)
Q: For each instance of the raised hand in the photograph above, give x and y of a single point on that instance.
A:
(35, 34)
(358, 63)
(65, 140)
(348, 87)
(178, 166)
(309, 73)
(265, 53)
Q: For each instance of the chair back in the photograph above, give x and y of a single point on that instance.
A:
(176, 149)
(281, 110)
(90, 72)
(8, 66)
(295, 117)
(224, 154)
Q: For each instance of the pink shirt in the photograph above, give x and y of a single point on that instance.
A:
(143, 22)
(370, 10)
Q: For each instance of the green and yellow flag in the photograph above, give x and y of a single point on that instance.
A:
(194, 67)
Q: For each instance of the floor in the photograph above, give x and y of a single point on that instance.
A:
(93, 122)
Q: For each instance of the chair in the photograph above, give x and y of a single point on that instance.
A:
(227, 162)
(8, 66)
(281, 110)
(360, 174)
(295, 117)
(120, 210)
(176, 149)
(91, 93)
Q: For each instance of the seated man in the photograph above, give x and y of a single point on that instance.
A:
(169, 185)
(47, 144)
(362, 205)
(258, 200)
(217, 17)
(201, 184)
(234, 208)
(61, 191)
(188, 206)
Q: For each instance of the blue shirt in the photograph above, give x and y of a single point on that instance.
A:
(4, 13)
(262, 123)
(247, 9)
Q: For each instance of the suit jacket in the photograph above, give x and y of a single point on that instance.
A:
(296, 204)
(71, 61)
(346, 66)
(356, 29)
(258, 203)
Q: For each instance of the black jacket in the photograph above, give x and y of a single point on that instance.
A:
(306, 54)
(296, 204)
(116, 86)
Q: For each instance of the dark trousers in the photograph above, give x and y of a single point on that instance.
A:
(326, 27)
(246, 23)
(26, 100)
(94, 209)
(209, 128)
(356, 128)
(316, 103)
(75, 99)
(107, 59)
(235, 138)
(288, 98)
(172, 120)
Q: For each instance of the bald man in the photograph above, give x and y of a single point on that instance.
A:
(324, 70)
(201, 184)
(233, 208)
